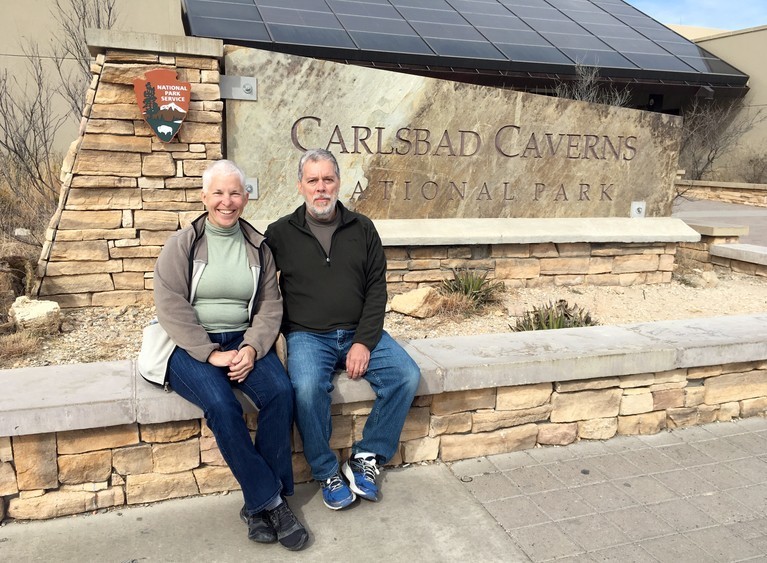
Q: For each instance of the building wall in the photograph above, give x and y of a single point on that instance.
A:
(693, 32)
(745, 50)
(32, 20)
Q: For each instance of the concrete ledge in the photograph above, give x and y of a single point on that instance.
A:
(742, 252)
(435, 232)
(498, 360)
(720, 185)
(710, 341)
(73, 397)
(67, 397)
(718, 230)
(99, 40)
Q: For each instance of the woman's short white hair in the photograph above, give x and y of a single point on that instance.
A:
(221, 168)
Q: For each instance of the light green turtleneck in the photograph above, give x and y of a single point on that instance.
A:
(226, 285)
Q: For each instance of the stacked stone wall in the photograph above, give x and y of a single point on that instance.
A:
(56, 474)
(123, 190)
(740, 266)
(697, 255)
(726, 192)
(534, 265)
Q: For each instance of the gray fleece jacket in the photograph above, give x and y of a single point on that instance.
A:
(177, 273)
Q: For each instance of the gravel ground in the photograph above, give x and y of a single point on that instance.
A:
(102, 334)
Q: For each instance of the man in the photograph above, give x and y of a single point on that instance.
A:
(333, 281)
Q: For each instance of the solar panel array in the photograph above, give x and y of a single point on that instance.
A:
(508, 35)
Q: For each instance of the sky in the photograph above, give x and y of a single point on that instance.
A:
(719, 14)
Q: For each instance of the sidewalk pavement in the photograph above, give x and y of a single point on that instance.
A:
(691, 495)
(718, 213)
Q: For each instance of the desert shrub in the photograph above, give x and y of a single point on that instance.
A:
(755, 169)
(17, 277)
(18, 344)
(473, 286)
(554, 315)
(712, 128)
(24, 207)
(29, 119)
(456, 306)
(21, 270)
(586, 85)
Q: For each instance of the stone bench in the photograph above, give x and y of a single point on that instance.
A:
(749, 253)
(719, 246)
(112, 393)
(717, 230)
(563, 230)
(77, 438)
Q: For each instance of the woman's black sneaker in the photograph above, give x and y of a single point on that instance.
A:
(259, 528)
(290, 532)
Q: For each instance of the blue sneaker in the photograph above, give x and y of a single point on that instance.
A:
(361, 472)
(336, 493)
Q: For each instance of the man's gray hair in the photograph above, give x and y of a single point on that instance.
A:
(315, 155)
(221, 168)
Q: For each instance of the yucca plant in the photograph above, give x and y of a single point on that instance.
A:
(553, 316)
(473, 285)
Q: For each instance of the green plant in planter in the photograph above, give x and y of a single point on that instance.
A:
(473, 285)
(554, 315)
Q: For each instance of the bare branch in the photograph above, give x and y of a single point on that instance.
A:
(29, 179)
(587, 87)
(69, 49)
(712, 128)
(27, 129)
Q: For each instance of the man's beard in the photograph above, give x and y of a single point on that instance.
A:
(326, 212)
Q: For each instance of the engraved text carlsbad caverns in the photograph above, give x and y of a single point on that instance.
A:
(508, 140)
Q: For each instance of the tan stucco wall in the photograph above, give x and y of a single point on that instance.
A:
(32, 20)
(744, 50)
(693, 32)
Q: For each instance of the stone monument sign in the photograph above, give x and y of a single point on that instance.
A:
(416, 147)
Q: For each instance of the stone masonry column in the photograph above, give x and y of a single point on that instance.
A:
(124, 191)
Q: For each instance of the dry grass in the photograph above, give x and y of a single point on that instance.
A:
(469, 293)
(456, 306)
(17, 276)
(9, 246)
(25, 208)
(18, 344)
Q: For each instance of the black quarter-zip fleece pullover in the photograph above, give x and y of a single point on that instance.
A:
(343, 290)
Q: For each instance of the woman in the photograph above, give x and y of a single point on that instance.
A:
(216, 295)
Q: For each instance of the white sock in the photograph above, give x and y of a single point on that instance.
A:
(274, 504)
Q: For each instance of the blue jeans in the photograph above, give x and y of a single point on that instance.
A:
(313, 359)
(263, 469)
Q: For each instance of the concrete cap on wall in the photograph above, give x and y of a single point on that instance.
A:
(521, 230)
(99, 40)
(718, 229)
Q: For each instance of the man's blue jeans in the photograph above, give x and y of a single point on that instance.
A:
(313, 360)
(263, 469)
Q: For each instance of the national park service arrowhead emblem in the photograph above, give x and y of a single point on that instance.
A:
(164, 101)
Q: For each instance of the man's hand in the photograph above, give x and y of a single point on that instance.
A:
(357, 360)
(240, 362)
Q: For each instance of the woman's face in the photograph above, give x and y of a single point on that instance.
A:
(224, 200)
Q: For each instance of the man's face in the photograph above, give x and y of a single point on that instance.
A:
(319, 187)
(224, 200)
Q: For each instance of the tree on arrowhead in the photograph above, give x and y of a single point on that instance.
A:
(150, 101)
